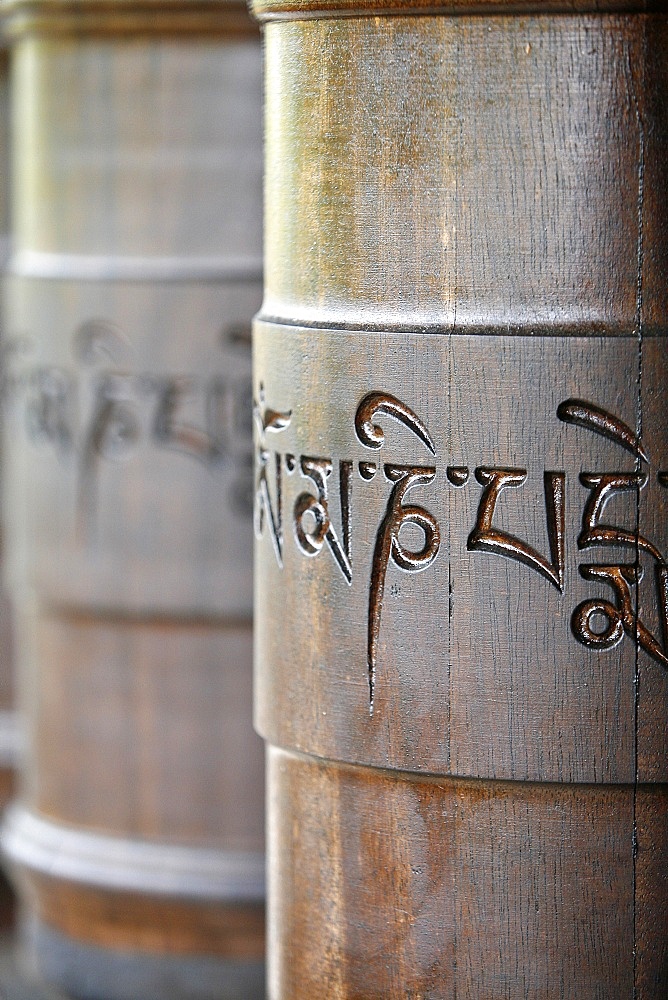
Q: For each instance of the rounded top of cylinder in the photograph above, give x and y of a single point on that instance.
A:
(267, 10)
(126, 17)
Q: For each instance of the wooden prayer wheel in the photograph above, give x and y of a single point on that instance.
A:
(137, 840)
(8, 736)
(8, 726)
(461, 517)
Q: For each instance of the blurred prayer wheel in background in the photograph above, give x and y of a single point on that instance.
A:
(7, 721)
(462, 472)
(137, 840)
(8, 729)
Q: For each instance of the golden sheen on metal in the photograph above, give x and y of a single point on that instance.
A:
(461, 481)
(137, 840)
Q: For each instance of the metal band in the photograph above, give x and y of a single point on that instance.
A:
(430, 510)
(122, 864)
(106, 267)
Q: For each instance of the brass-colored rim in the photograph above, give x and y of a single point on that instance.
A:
(277, 10)
(126, 17)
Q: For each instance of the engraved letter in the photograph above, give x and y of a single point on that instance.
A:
(389, 547)
(311, 540)
(112, 432)
(373, 436)
(603, 487)
(388, 544)
(268, 420)
(168, 430)
(621, 616)
(49, 407)
(594, 418)
(486, 538)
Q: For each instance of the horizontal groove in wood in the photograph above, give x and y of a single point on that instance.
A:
(500, 786)
(520, 329)
(268, 10)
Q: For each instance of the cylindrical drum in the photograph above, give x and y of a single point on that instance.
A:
(461, 499)
(8, 727)
(7, 720)
(136, 267)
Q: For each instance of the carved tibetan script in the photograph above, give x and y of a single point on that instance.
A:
(99, 410)
(317, 501)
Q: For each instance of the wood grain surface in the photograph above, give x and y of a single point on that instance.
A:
(498, 167)
(433, 887)
(459, 390)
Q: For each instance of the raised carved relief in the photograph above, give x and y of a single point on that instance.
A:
(267, 510)
(620, 617)
(486, 538)
(371, 435)
(317, 508)
(389, 547)
(598, 623)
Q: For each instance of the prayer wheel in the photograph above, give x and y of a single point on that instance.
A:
(461, 499)
(8, 735)
(8, 726)
(137, 840)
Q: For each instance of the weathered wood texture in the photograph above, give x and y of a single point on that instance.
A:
(135, 271)
(435, 887)
(460, 398)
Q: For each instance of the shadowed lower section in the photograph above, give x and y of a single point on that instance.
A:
(87, 972)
